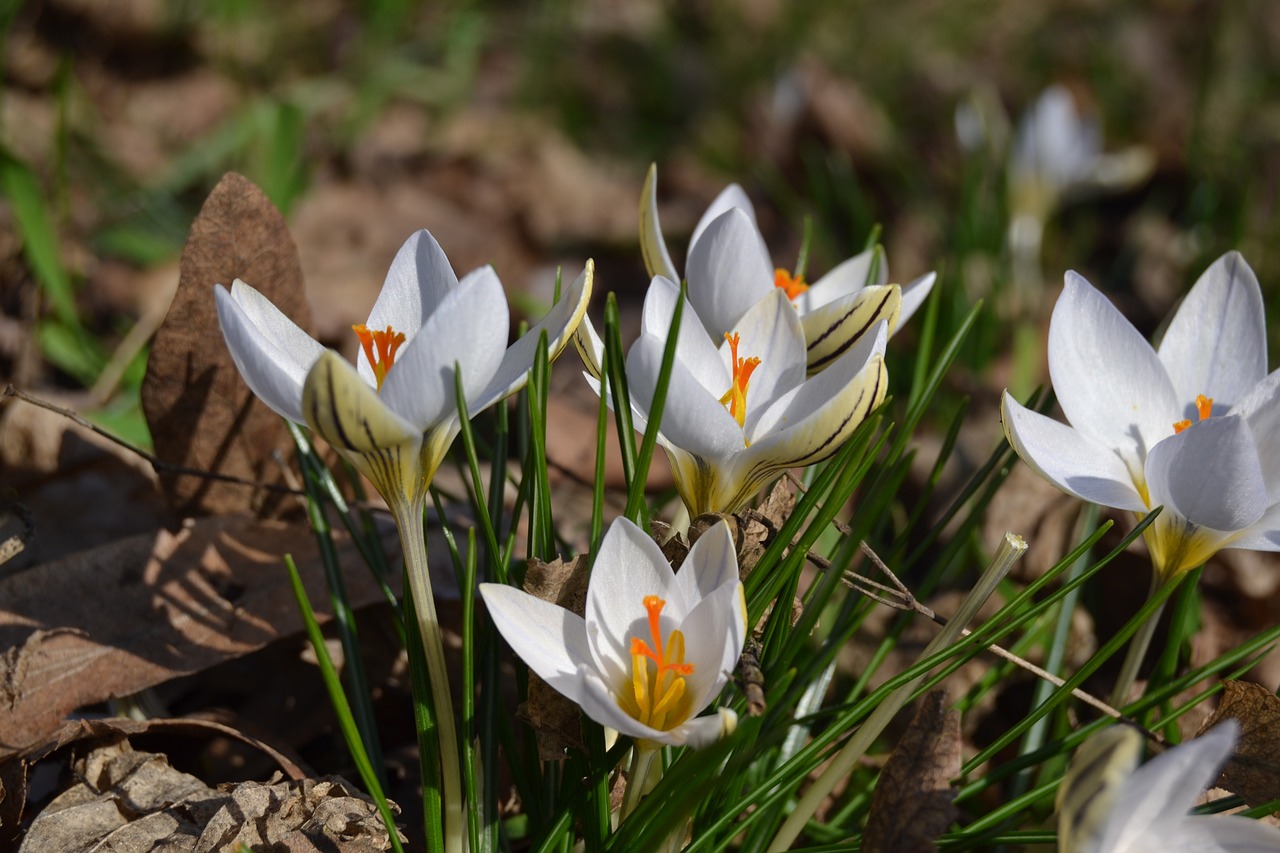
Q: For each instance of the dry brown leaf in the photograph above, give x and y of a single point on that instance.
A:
(126, 616)
(556, 720)
(912, 803)
(200, 412)
(1254, 770)
(127, 800)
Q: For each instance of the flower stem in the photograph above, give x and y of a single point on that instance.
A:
(1137, 651)
(408, 515)
(642, 755)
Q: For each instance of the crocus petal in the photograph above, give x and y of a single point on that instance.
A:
(1109, 382)
(692, 419)
(695, 347)
(419, 279)
(341, 407)
(845, 279)
(1071, 460)
(1155, 799)
(831, 330)
(1216, 344)
(728, 271)
(590, 347)
(270, 351)
(600, 704)
(1262, 535)
(1261, 408)
(704, 731)
(558, 324)
(1223, 834)
(770, 331)
(1209, 474)
(714, 632)
(468, 328)
(732, 196)
(549, 638)
(913, 296)
(628, 567)
(653, 248)
(711, 563)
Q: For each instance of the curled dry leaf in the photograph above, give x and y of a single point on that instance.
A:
(128, 800)
(557, 720)
(117, 619)
(1253, 771)
(912, 804)
(200, 412)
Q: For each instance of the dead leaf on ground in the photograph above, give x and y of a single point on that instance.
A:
(126, 616)
(556, 720)
(1254, 770)
(912, 804)
(201, 413)
(129, 800)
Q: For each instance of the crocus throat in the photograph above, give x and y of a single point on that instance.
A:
(792, 285)
(657, 697)
(380, 348)
(1204, 408)
(736, 397)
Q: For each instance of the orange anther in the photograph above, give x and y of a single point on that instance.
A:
(736, 397)
(793, 285)
(379, 348)
(1204, 408)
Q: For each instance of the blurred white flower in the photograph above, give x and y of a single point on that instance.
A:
(655, 647)
(1193, 427)
(1104, 806)
(394, 414)
(729, 270)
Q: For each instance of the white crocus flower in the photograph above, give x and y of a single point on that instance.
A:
(655, 647)
(729, 270)
(738, 414)
(1104, 806)
(1057, 155)
(394, 414)
(1193, 427)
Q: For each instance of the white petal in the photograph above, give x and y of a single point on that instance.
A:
(714, 632)
(1155, 799)
(1262, 535)
(847, 277)
(550, 639)
(711, 563)
(692, 419)
(730, 197)
(728, 271)
(1216, 344)
(419, 279)
(590, 348)
(559, 324)
(339, 405)
(831, 330)
(1261, 408)
(1224, 834)
(270, 351)
(1109, 382)
(704, 731)
(628, 567)
(770, 331)
(653, 247)
(695, 346)
(469, 328)
(913, 296)
(1209, 474)
(1071, 460)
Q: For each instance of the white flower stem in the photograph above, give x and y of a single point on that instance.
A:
(1011, 549)
(642, 755)
(408, 515)
(1137, 651)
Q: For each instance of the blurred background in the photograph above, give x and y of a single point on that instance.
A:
(519, 133)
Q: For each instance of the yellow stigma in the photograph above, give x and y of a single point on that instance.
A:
(736, 397)
(658, 697)
(380, 348)
(1204, 408)
(793, 285)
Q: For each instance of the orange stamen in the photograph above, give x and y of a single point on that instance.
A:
(736, 397)
(793, 285)
(1204, 408)
(654, 606)
(658, 694)
(380, 348)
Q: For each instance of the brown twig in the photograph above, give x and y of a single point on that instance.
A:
(157, 465)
